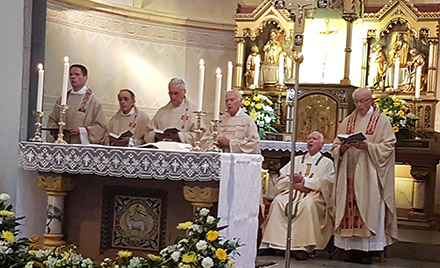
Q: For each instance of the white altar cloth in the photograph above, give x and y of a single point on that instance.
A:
(239, 176)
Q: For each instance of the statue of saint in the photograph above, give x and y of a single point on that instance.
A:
(272, 50)
(399, 49)
(417, 59)
(250, 65)
(381, 67)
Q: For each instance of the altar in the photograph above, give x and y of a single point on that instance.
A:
(114, 196)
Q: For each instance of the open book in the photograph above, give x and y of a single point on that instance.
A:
(166, 131)
(358, 136)
(123, 134)
(167, 145)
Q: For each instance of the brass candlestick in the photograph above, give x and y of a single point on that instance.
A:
(278, 108)
(61, 124)
(38, 124)
(215, 146)
(199, 131)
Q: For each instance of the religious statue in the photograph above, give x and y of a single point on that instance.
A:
(272, 50)
(397, 73)
(399, 49)
(381, 67)
(288, 66)
(417, 59)
(250, 65)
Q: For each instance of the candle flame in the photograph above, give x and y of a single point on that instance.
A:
(66, 59)
(40, 66)
(202, 62)
(229, 63)
(218, 71)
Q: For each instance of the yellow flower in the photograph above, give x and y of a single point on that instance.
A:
(212, 235)
(258, 106)
(400, 113)
(189, 257)
(154, 257)
(124, 254)
(385, 111)
(247, 103)
(184, 225)
(269, 102)
(221, 254)
(253, 116)
(6, 213)
(8, 236)
(255, 98)
(396, 129)
(396, 103)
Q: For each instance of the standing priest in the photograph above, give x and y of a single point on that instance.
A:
(312, 224)
(365, 212)
(237, 131)
(176, 120)
(85, 120)
(129, 125)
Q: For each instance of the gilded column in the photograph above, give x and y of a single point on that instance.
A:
(56, 188)
(349, 18)
(433, 62)
(200, 197)
(240, 63)
(364, 63)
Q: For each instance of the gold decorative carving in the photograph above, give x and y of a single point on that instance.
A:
(52, 241)
(371, 33)
(408, 3)
(55, 185)
(201, 196)
(36, 242)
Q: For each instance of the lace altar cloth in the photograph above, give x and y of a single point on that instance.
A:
(287, 146)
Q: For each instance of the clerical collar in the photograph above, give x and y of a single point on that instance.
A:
(82, 91)
(239, 112)
(129, 113)
(315, 156)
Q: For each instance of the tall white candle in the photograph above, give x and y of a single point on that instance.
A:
(418, 81)
(40, 88)
(257, 71)
(396, 74)
(229, 78)
(281, 69)
(218, 89)
(201, 84)
(65, 81)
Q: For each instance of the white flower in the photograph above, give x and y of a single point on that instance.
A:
(207, 262)
(135, 262)
(29, 265)
(175, 256)
(4, 197)
(201, 245)
(210, 220)
(204, 212)
(268, 119)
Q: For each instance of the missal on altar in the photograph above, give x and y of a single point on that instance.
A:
(124, 134)
(166, 131)
(167, 145)
(358, 136)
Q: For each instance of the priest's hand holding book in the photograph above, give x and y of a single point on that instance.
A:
(357, 140)
(121, 139)
(169, 134)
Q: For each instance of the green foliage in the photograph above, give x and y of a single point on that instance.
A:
(259, 108)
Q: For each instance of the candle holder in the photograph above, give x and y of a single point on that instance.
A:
(199, 131)
(61, 124)
(215, 146)
(38, 124)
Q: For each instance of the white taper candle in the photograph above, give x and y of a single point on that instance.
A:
(40, 88)
(418, 82)
(201, 84)
(229, 78)
(218, 90)
(65, 81)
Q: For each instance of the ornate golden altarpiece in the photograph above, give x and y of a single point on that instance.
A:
(397, 30)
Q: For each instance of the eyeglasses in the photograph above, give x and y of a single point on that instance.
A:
(362, 100)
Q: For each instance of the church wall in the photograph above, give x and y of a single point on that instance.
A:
(122, 52)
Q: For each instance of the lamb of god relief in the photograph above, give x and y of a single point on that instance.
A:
(398, 61)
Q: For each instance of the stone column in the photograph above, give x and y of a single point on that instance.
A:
(56, 188)
(200, 197)
(432, 68)
(364, 63)
(349, 18)
(240, 63)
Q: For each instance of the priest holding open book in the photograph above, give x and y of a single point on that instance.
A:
(365, 211)
(129, 125)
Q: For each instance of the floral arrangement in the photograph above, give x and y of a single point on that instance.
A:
(397, 110)
(259, 108)
(202, 246)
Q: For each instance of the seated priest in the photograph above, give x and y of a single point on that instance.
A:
(85, 120)
(129, 125)
(237, 131)
(176, 120)
(312, 221)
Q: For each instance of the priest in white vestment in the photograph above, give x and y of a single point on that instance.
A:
(85, 120)
(237, 131)
(177, 115)
(312, 223)
(365, 211)
(129, 121)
